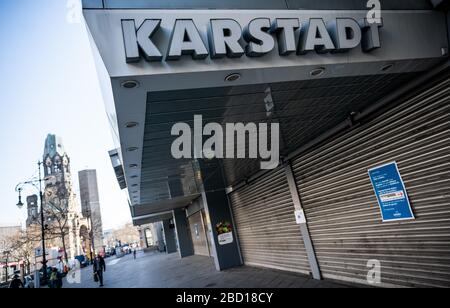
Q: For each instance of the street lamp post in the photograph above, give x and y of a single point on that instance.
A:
(20, 204)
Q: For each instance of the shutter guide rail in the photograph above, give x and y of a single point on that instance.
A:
(315, 270)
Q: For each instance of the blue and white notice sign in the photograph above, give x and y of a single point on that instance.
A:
(391, 193)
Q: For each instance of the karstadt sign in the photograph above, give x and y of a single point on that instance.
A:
(227, 38)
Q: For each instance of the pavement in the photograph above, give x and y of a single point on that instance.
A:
(156, 270)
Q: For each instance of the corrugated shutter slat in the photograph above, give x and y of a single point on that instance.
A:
(265, 222)
(342, 211)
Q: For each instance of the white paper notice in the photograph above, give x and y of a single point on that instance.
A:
(300, 217)
(226, 238)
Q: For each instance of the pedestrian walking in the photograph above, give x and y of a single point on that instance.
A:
(99, 268)
(134, 253)
(53, 281)
(59, 279)
(16, 283)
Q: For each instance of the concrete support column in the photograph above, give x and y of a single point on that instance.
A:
(143, 238)
(169, 237)
(185, 246)
(314, 265)
(159, 235)
(226, 253)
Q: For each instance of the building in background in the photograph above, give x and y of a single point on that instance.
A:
(8, 231)
(124, 236)
(61, 211)
(108, 239)
(90, 205)
(32, 209)
(151, 236)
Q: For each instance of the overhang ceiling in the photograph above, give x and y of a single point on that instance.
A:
(164, 205)
(156, 211)
(304, 109)
(148, 219)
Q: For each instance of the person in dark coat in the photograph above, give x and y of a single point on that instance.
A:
(99, 268)
(16, 283)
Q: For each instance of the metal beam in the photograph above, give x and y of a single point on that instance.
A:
(314, 265)
(152, 218)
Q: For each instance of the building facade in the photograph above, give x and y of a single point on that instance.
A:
(32, 209)
(357, 97)
(8, 231)
(90, 205)
(61, 211)
(7, 265)
(151, 236)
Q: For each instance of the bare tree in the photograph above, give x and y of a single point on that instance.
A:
(34, 230)
(58, 222)
(127, 234)
(5, 248)
(6, 252)
(22, 247)
(3, 245)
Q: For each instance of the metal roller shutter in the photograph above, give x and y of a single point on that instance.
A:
(342, 210)
(265, 222)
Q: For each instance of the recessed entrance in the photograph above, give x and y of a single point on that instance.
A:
(200, 238)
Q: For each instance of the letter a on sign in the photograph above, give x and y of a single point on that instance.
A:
(186, 40)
